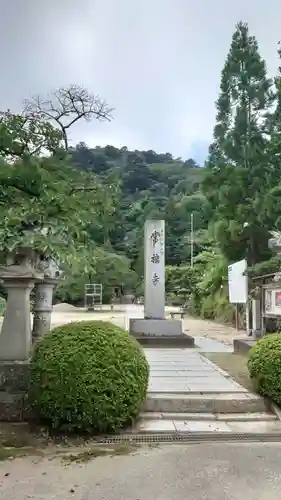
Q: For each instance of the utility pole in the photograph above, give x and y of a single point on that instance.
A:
(191, 239)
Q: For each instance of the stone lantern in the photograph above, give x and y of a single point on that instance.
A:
(44, 288)
(23, 270)
(18, 277)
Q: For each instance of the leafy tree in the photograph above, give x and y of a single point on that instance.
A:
(190, 163)
(48, 205)
(85, 159)
(237, 172)
(112, 153)
(271, 203)
(106, 268)
(136, 175)
(23, 135)
(44, 207)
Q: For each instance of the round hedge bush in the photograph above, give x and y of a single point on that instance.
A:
(265, 366)
(89, 376)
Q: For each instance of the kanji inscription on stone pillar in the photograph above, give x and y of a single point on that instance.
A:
(154, 252)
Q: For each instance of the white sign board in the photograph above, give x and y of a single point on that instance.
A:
(238, 282)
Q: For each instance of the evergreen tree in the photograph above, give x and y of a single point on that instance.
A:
(237, 172)
(272, 203)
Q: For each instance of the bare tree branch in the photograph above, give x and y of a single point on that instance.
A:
(66, 106)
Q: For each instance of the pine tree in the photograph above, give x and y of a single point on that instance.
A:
(236, 179)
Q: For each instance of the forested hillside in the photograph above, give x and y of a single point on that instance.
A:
(150, 185)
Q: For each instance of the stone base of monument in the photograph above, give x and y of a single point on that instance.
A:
(14, 377)
(160, 333)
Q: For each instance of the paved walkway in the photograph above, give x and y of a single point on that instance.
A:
(183, 370)
(188, 393)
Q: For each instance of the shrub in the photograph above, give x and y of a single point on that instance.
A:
(265, 366)
(88, 376)
(2, 305)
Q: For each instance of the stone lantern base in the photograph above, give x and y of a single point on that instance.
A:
(14, 377)
(15, 340)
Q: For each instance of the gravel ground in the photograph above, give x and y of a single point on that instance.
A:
(65, 313)
(194, 326)
(63, 307)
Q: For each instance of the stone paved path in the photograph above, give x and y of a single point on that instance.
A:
(182, 370)
(188, 393)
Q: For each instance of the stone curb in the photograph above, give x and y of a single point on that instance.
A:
(276, 410)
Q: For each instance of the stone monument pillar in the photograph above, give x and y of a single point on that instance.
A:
(154, 329)
(154, 270)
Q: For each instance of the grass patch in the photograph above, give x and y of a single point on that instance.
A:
(10, 453)
(22, 435)
(22, 439)
(235, 365)
(18, 439)
(99, 451)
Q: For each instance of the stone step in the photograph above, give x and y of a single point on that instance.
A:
(165, 341)
(226, 417)
(211, 427)
(205, 403)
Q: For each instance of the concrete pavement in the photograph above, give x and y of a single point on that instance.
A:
(171, 472)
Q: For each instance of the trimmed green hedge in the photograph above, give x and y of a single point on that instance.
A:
(2, 306)
(265, 366)
(88, 376)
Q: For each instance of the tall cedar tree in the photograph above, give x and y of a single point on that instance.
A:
(237, 173)
(272, 203)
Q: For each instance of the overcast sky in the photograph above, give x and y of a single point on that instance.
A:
(157, 62)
